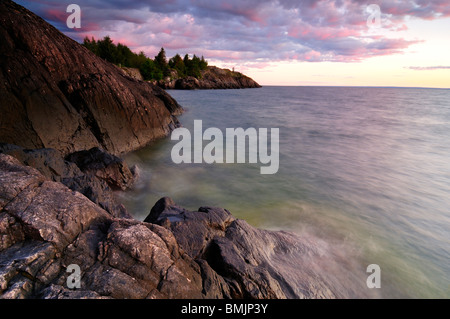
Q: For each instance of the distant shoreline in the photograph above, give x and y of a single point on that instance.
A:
(356, 86)
(212, 78)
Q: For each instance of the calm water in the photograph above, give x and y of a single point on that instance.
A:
(364, 167)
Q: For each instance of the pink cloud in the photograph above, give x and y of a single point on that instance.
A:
(56, 15)
(248, 31)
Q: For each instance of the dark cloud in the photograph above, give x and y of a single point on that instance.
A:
(251, 31)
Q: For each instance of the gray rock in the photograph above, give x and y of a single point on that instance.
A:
(20, 265)
(98, 192)
(193, 230)
(59, 292)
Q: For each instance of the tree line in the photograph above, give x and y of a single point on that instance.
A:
(151, 69)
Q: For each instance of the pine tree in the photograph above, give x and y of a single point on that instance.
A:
(177, 64)
(150, 69)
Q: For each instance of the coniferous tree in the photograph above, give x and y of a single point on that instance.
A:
(150, 69)
(161, 62)
(106, 49)
(177, 64)
(203, 63)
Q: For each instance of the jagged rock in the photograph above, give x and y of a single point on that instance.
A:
(47, 161)
(175, 253)
(193, 230)
(107, 167)
(98, 192)
(132, 72)
(45, 227)
(241, 261)
(21, 264)
(91, 182)
(57, 94)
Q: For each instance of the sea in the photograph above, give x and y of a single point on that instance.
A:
(361, 167)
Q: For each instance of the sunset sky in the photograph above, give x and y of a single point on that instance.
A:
(280, 42)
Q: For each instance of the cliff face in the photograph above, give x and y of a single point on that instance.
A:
(57, 94)
(212, 78)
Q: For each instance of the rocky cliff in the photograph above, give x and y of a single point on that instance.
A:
(211, 78)
(55, 93)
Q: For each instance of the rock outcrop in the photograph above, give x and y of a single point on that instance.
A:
(45, 227)
(211, 78)
(57, 94)
(133, 73)
(93, 173)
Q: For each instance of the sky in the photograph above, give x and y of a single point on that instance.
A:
(280, 42)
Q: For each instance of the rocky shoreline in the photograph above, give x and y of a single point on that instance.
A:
(48, 222)
(213, 78)
(57, 94)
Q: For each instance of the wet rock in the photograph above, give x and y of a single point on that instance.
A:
(193, 230)
(241, 261)
(98, 192)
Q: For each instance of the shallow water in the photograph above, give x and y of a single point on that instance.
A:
(368, 168)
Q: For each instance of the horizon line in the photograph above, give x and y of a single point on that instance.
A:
(361, 86)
